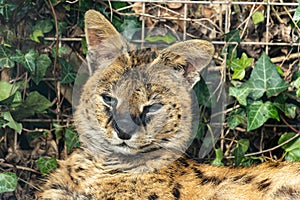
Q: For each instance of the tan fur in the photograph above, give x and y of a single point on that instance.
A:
(135, 121)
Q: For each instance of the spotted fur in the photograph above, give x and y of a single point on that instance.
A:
(135, 121)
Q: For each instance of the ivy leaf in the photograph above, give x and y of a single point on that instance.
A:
(202, 93)
(45, 166)
(296, 16)
(258, 17)
(287, 108)
(42, 64)
(297, 86)
(238, 65)
(240, 93)
(45, 26)
(5, 57)
(68, 75)
(8, 182)
(27, 60)
(118, 5)
(219, 157)
(128, 27)
(258, 113)
(7, 90)
(250, 161)
(265, 78)
(61, 51)
(232, 36)
(6, 8)
(11, 123)
(240, 150)
(35, 35)
(34, 103)
(236, 118)
(292, 148)
(168, 38)
(71, 138)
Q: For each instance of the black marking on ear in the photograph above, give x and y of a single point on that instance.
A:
(264, 184)
(153, 196)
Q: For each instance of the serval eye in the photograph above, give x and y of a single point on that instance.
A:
(153, 108)
(109, 100)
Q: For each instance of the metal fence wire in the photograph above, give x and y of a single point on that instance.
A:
(277, 33)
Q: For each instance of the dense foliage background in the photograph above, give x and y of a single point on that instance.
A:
(42, 46)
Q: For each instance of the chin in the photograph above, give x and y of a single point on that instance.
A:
(124, 149)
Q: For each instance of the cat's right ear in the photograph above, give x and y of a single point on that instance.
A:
(104, 42)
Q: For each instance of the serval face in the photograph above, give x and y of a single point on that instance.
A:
(138, 103)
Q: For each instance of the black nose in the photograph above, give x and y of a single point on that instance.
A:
(125, 128)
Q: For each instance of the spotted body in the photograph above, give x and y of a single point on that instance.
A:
(135, 120)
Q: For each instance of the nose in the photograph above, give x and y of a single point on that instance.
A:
(125, 128)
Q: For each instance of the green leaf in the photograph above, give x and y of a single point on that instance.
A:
(71, 139)
(265, 78)
(232, 36)
(27, 60)
(35, 35)
(168, 38)
(61, 51)
(240, 150)
(258, 17)
(118, 5)
(42, 64)
(236, 118)
(45, 166)
(7, 90)
(250, 161)
(219, 157)
(279, 70)
(58, 129)
(202, 93)
(34, 103)
(240, 93)
(44, 26)
(287, 108)
(296, 16)
(11, 123)
(292, 148)
(6, 8)
(68, 75)
(8, 182)
(258, 113)
(128, 27)
(5, 57)
(238, 65)
(297, 86)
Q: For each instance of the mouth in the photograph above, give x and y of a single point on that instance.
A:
(123, 144)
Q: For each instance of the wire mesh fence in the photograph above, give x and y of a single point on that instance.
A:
(213, 19)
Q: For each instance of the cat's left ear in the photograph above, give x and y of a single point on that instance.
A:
(188, 57)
